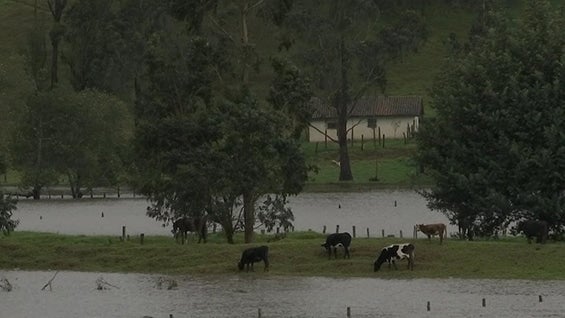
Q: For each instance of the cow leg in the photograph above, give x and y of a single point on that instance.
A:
(394, 265)
(346, 252)
(266, 265)
(335, 252)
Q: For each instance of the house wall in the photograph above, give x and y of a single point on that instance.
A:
(390, 126)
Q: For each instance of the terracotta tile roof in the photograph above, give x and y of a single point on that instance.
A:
(374, 106)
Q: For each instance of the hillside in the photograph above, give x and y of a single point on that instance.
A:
(412, 75)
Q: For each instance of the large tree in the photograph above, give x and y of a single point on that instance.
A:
(496, 148)
(77, 135)
(346, 46)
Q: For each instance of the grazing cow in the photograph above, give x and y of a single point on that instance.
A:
(396, 252)
(338, 239)
(254, 255)
(182, 226)
(534, 228)
(433, 229)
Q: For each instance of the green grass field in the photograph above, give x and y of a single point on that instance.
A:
(299, 254)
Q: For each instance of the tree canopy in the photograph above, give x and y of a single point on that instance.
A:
(496, 148)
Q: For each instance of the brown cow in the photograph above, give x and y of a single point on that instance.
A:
(433, 229)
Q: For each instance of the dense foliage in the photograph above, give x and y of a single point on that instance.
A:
(7, 207)
(496, 148)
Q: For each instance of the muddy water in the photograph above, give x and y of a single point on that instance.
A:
(75, 294)
(391, 211)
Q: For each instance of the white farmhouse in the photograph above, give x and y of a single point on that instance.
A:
(389, 116)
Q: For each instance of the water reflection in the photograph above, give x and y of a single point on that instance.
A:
(392, 211)
(74, 294)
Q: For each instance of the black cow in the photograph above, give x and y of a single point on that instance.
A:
(534, 228)
(182, 226)
(338, 239)
(254, 255)
(396, 252)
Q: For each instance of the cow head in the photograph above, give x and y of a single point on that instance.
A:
(383, 257)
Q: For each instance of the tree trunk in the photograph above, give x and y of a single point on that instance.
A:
(244, 43)
(226, 222)
(54, 60)
(56, 7)
(249, 216)
(342, 107)
(75, 186)
(344, 164)
(36, 192)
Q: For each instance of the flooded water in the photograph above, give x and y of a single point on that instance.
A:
(75, 294)
(391, 211)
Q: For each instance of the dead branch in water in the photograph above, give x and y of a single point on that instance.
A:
(50, 281)
(101, 284)
(171, 283)
(5, 284)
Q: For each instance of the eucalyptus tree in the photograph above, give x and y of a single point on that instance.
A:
(174, 125)
(345, 46)
(263, 158)
(33, 79)
(496, 148)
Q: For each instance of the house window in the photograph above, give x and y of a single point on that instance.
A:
(372, 122)
(331, 125)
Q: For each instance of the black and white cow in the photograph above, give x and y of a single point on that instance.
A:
(338, 239)
(534, 228)
(254, 255)
(396, 252)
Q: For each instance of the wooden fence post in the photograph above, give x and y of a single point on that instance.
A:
(324, 230)
(353, 231)
(123, 233)
(367, 232)
(141, 237)
(383, 232)
(400, 233)
(348, 312)
(337, 228)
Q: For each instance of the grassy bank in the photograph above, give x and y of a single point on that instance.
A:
(298, 254)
